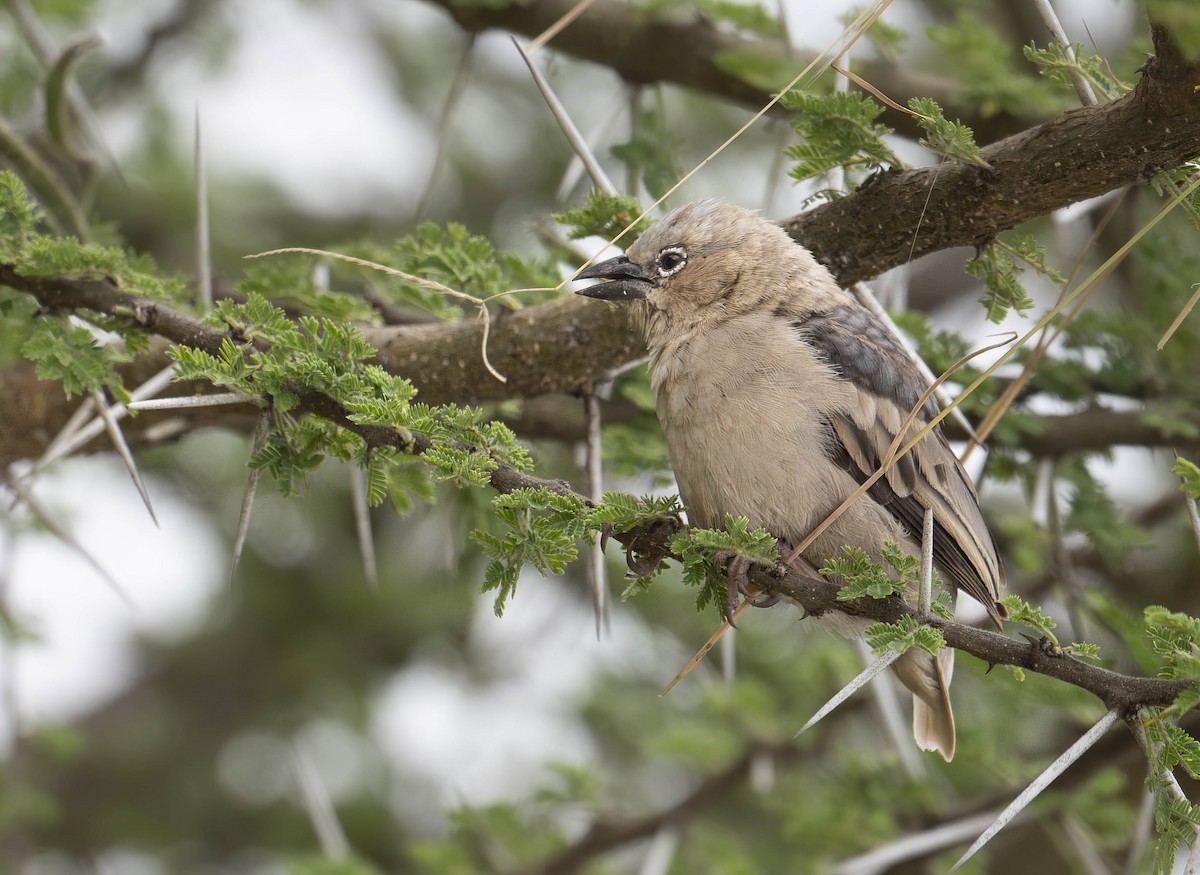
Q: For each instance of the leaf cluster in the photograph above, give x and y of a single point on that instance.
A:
(837, 130)
(699, 549)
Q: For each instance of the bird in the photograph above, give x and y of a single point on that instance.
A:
(778, 395)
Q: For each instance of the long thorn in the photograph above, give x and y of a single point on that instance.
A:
(362, 524)
(595, 474)
(883, 691)
(1044, 780)
(84, 434)
(914, 845)
(204, 289)
(578, 143)
(319, 807)
(186, 401)
(239, 540)
(881, 662)
(925, 593)
(122, 446)
(1050, 18)
(63, 534)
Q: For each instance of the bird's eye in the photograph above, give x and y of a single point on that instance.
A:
(671, 260)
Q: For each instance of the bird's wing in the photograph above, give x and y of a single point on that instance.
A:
(863, 351)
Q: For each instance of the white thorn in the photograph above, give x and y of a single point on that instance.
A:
(1044, 780)
(362, 524)
(118, 439)
(595, 171)
(204, 282)
(319, 808)
(881, 662)
(186, 401)
(243, 527)
(925, 593)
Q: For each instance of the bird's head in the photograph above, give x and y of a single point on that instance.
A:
(708, 261)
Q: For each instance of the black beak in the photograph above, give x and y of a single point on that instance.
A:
(626, 280)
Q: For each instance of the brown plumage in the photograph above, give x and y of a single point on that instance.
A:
(778, 395)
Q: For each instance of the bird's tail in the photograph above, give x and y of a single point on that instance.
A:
(928, 677)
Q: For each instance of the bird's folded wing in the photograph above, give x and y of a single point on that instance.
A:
(888, 386)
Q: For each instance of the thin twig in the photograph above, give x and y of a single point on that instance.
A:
(1183, 314)
(555, 29)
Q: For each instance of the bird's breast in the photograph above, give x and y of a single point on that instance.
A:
(744, 412)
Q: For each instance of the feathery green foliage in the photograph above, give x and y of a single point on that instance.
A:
(698, 550)
(604, 215)
(837, 130)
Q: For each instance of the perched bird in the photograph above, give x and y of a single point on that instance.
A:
(779, 395)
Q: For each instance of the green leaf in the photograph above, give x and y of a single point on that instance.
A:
(952, 139)
(862, 576)
(837, 130)
(1189, 473)
(1021, 611)
(698, 549)
(995, 266)
(604, 215)
(1057, 65)
(767, 72)
(902, 635)
(68, 352)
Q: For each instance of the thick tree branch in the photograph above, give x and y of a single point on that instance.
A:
(901, 215)
(61, 293)
(567, 344)
(443, 379)
(690, 50)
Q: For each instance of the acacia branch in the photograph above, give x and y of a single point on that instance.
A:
(897, 216)
(815, 595)
(102, 296)
(567, 344)
(573, 343)
(1126, 693)
(692, 51)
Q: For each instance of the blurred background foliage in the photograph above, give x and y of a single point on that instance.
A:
(444, 739)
